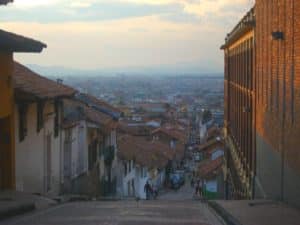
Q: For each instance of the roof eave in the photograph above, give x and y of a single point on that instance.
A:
(11, 42)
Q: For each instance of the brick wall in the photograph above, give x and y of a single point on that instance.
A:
(278, 77)
(277, 89)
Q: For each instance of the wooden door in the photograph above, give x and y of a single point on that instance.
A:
(6, 155)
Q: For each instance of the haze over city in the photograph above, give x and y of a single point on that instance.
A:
(117, 112)
(126, 35)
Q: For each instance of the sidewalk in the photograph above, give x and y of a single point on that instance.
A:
(256, 212)
(13, 203)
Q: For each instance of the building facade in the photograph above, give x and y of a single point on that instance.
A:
(38, 137)
(239, 110)
(263, 115)
(9, 44)
(277, 91)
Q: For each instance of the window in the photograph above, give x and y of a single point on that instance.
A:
(143, 172)
(133, 187)
(56, 119)
(129, 165)
(40, 116)
(125, 168)
(22, 121)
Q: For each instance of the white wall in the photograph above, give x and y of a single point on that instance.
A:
(31, 154)
(129, 176)
(79, 151)
(217, 153)
(212, 185)
(141, 181)
(141, 175)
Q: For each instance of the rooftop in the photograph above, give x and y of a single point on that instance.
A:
(173, 133)
(145, 152)
(11, 42)
(28, 82)
(245, 25)
(210, 168)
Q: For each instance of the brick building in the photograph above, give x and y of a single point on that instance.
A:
(262, 103)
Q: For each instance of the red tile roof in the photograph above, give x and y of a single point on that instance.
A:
(142, 130)
(145, 152)
(95, 116)
(212, 144)
(11, 42)
(27, 81)
(213, 132)
(102, 103)
(87, 113)
(209, 168)
(172, 133)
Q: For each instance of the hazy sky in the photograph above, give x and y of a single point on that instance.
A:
(91, 34)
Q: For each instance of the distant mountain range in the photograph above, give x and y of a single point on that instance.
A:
(60, 71)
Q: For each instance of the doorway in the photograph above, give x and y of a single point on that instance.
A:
(7, 163)
(48, 163)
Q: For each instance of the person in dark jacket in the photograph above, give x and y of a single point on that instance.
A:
(147, 190)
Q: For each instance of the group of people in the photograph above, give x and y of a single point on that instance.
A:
(199, 186)
(150, 190)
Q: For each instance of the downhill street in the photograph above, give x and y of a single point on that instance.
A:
(121, 213)
(172, 207)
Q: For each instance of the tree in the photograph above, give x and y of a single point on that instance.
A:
(206, 116)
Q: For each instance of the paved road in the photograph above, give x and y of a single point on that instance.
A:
(171, 208)
(121, 213)
(184, 193)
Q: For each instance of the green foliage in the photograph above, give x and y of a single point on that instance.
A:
(206, 116)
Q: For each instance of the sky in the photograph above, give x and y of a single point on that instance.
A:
(123, 34)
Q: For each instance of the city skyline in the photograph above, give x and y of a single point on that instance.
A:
(122, 34)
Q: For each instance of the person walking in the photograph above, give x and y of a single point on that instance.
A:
(147, 190)
(200, 188)
(197, 188)
(192, 182)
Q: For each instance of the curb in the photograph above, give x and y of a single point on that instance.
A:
(225, 215)
(17, 210)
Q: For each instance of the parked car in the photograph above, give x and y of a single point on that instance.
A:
(177, 179)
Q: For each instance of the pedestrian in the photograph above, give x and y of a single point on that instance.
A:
(203, 188)
(147, 190)
(197, 188)
(192, 182)
(154, 191)
(200, 188)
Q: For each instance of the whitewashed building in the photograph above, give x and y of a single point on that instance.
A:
(90, 146)
(142, 160)
(38, 139)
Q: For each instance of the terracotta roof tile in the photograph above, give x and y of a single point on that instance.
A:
(97, 117)
(141, 130)
(30, 82)
(210, 167)
(173, 133)
(145, 152)
(211, 144)
(100, 102)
